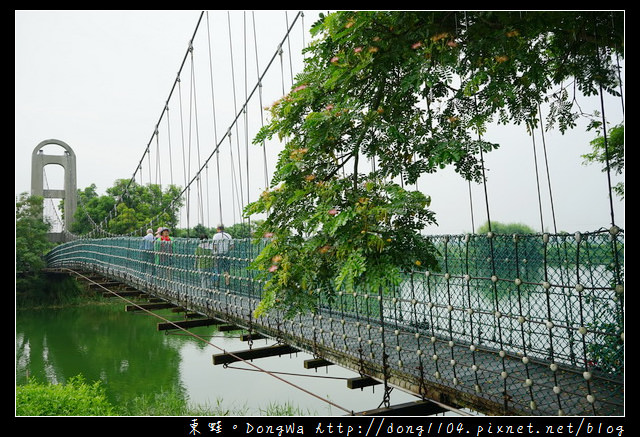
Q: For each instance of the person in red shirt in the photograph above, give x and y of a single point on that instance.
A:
(164, 249)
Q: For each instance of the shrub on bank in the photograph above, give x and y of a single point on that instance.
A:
(75, 398)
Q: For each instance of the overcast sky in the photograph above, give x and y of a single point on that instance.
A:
(99, 80)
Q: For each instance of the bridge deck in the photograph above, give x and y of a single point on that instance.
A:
(549, 341)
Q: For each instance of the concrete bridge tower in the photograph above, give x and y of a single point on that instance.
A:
(68, 161)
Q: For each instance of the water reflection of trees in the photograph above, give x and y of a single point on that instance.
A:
(101, 342)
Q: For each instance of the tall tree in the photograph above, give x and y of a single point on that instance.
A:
(127, 208)
(388, 95)
(31, 235)
(31, 244)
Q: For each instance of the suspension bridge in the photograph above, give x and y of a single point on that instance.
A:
(525, 324)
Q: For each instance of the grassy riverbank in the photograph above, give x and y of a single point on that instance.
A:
(82, 398)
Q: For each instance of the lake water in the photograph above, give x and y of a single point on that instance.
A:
(127, 352)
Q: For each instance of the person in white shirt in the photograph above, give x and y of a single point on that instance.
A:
(205, 262)
(146, 251)
(222, 244)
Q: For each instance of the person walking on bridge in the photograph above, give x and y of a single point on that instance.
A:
(146, 252)
(164, 249)
(204, 261)
(222, 244)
